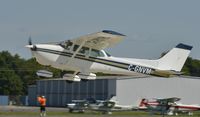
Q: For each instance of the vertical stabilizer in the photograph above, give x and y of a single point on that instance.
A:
(142, 104)
(175, 58)
(113, 99)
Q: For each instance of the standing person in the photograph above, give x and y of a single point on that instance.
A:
(42, 102)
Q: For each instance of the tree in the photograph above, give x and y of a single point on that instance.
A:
(10, 83)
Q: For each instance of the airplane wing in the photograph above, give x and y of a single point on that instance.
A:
(168, 100)
(99, 40)
(78, 101)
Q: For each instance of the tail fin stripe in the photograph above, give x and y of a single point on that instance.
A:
(183, 46)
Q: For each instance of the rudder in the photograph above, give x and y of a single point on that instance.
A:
(175, 58)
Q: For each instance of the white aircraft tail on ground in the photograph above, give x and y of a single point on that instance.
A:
(85, 56)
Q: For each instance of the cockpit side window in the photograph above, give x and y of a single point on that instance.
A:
(84, 50)
(67, 44)
(75, 47)
(96, 53)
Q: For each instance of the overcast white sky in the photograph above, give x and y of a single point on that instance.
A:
(151, 26)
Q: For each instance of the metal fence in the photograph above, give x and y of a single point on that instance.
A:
(13, 100)
(4, 100)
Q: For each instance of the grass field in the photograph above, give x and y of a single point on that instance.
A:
(87, 114)
(63, 112)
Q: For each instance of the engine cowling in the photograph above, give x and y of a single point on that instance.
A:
(71, 77)
(87, 76)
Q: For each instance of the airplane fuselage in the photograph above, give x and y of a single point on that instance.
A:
(185, 107)
(85, 56)
(58, 57)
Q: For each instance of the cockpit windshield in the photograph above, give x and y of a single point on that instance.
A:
(108, 55)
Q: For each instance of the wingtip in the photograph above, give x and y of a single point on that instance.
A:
(184, 46)
(113, 32)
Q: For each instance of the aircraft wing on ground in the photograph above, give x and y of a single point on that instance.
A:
(78, 101)
(168, 100)
(109, 106)
(77, 105)
(99, 40)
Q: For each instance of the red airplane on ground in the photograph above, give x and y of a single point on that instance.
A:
(167, 106)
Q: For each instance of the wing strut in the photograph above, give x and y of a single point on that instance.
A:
(74, 54)
(70, 61)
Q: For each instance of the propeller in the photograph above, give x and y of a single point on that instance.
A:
(30, 44)
(29, 41)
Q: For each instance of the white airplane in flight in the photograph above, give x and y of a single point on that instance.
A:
(85, 56)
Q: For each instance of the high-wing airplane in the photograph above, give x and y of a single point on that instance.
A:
(104, 106)
(109, 106)
(81, 105)
(85, 56)
(167, 106)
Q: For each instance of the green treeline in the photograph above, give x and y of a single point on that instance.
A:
(191, 67)
(17, 73)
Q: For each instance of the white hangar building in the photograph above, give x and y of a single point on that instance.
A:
(128, 91)
(131, 91)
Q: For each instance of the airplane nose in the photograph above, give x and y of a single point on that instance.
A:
(29, 46)
(32, 47)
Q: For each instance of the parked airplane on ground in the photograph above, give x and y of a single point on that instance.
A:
(106, 107)
(167, 106)
(109, 106)
(85, 56)
(81, 105)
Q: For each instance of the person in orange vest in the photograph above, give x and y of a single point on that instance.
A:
(42, 102)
